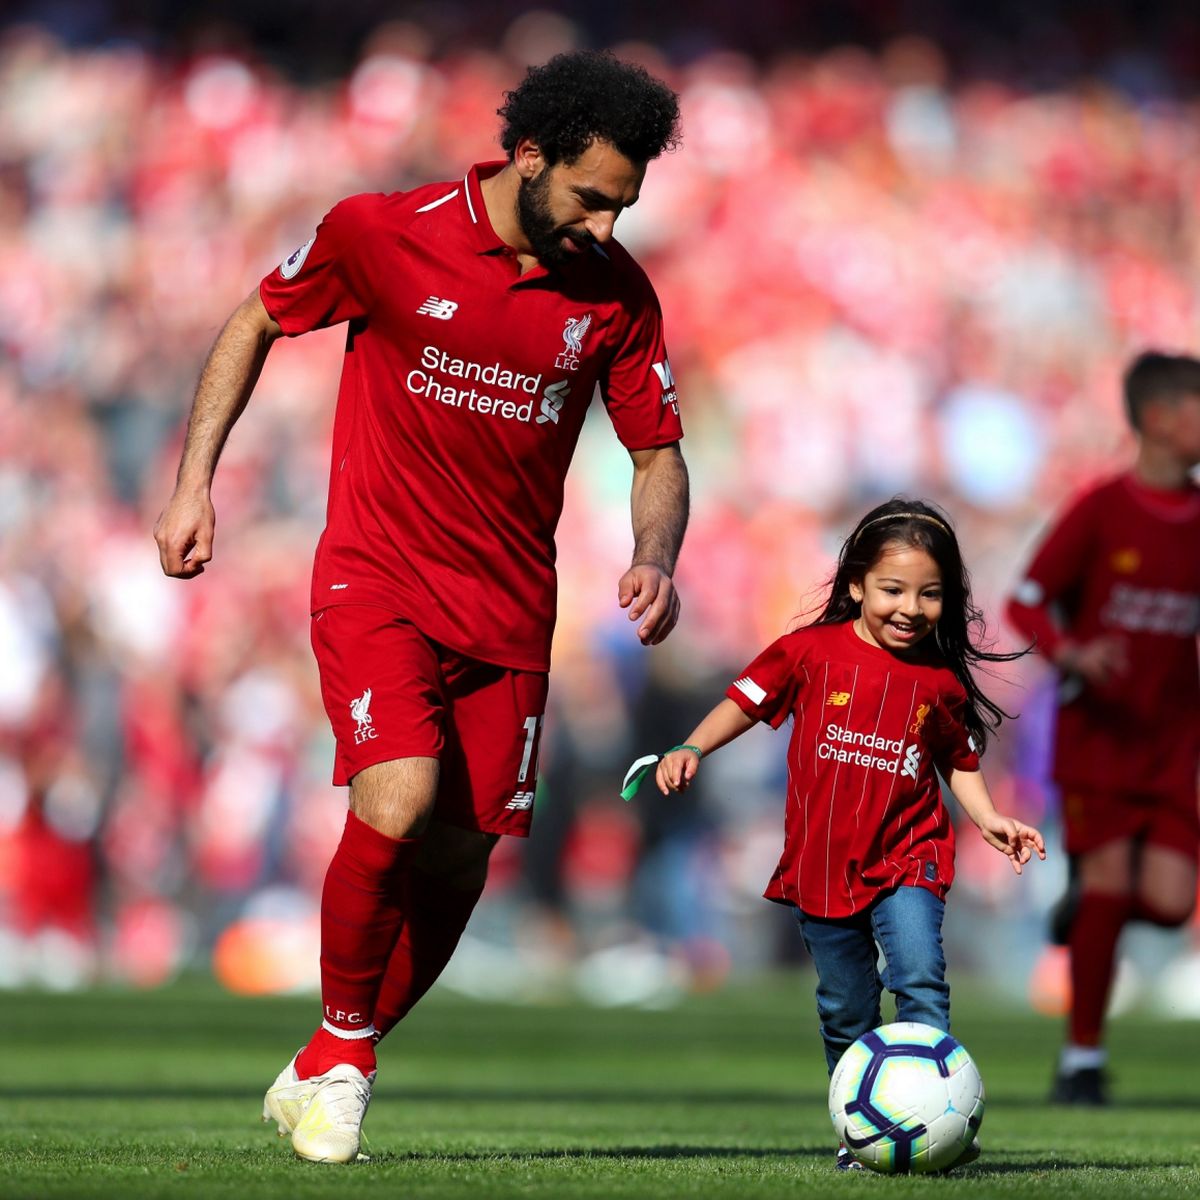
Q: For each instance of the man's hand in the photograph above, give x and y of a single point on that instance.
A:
(184, 529)
(647, 591)
(184, 533)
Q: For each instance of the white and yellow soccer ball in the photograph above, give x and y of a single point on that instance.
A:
(906, 1097)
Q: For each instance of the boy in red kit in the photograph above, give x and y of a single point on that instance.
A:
(482, 315)
(1112, 598)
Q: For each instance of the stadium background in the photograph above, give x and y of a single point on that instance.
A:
(901, 250)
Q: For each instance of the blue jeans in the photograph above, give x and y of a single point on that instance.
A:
(907, 924)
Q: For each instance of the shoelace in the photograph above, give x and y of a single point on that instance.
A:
(345, 1100)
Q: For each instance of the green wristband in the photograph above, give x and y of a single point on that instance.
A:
(641, 768)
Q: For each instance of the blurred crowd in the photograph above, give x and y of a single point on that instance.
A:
(876, 279)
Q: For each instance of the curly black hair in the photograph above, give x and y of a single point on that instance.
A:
(575, 99)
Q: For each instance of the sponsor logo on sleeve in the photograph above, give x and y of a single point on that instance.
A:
(1030, 593)
(750, 689)
(294, 261)
(667, 380)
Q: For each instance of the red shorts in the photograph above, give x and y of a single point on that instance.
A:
(1094, 818)
(391, 692)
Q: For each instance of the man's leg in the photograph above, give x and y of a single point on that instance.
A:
(444, 885)
(322, 1096)
(493, 720)
(362, 906)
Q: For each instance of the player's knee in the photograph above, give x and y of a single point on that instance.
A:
(457, 856)
(396, 798)
(393, 821)
(1169, 913)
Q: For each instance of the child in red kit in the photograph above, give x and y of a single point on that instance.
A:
(1112, 598)
(882, 698)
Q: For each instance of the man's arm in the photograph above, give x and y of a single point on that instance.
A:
(659, 508)
(184, 530)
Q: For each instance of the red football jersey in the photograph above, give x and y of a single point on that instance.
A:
(864, 806)
(464, 388)
(1123, 561)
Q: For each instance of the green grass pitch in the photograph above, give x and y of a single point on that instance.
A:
(138, 1095)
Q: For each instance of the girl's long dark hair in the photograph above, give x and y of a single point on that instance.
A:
(960, 631)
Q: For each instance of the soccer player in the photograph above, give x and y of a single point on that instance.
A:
(482, 314)
(1112, 598)
(882, 697)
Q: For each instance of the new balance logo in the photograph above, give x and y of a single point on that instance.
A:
(443, 310)
(520, 802)
(838, 699)
(912, 760)
(360, 711)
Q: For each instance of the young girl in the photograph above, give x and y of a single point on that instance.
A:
(882, 696)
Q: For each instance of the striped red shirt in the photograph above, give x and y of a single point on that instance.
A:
(871, 729)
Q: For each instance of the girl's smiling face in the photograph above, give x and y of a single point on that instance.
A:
(901, 598)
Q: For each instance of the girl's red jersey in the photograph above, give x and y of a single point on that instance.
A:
(871, 729)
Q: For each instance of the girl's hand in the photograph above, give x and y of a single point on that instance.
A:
(1014, 838)
(676, 770)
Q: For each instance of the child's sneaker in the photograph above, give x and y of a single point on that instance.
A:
(1085, 1086)
(969, 1155)
(845, 1161)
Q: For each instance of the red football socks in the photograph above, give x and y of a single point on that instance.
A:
(1095, 929)
(362, 910)
(435, 918)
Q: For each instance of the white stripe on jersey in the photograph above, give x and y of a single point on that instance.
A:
(833, 792)
(470, 206)
(435, 203)
(750, 689)
(887, 683)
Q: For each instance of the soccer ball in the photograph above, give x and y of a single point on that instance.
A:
(906, 1097)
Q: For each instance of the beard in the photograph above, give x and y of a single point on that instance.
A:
(545, 238)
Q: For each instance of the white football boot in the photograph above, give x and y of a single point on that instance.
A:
(287, 1098)
(330, 1126)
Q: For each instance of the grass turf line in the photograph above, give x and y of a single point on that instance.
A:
(157, 1095)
